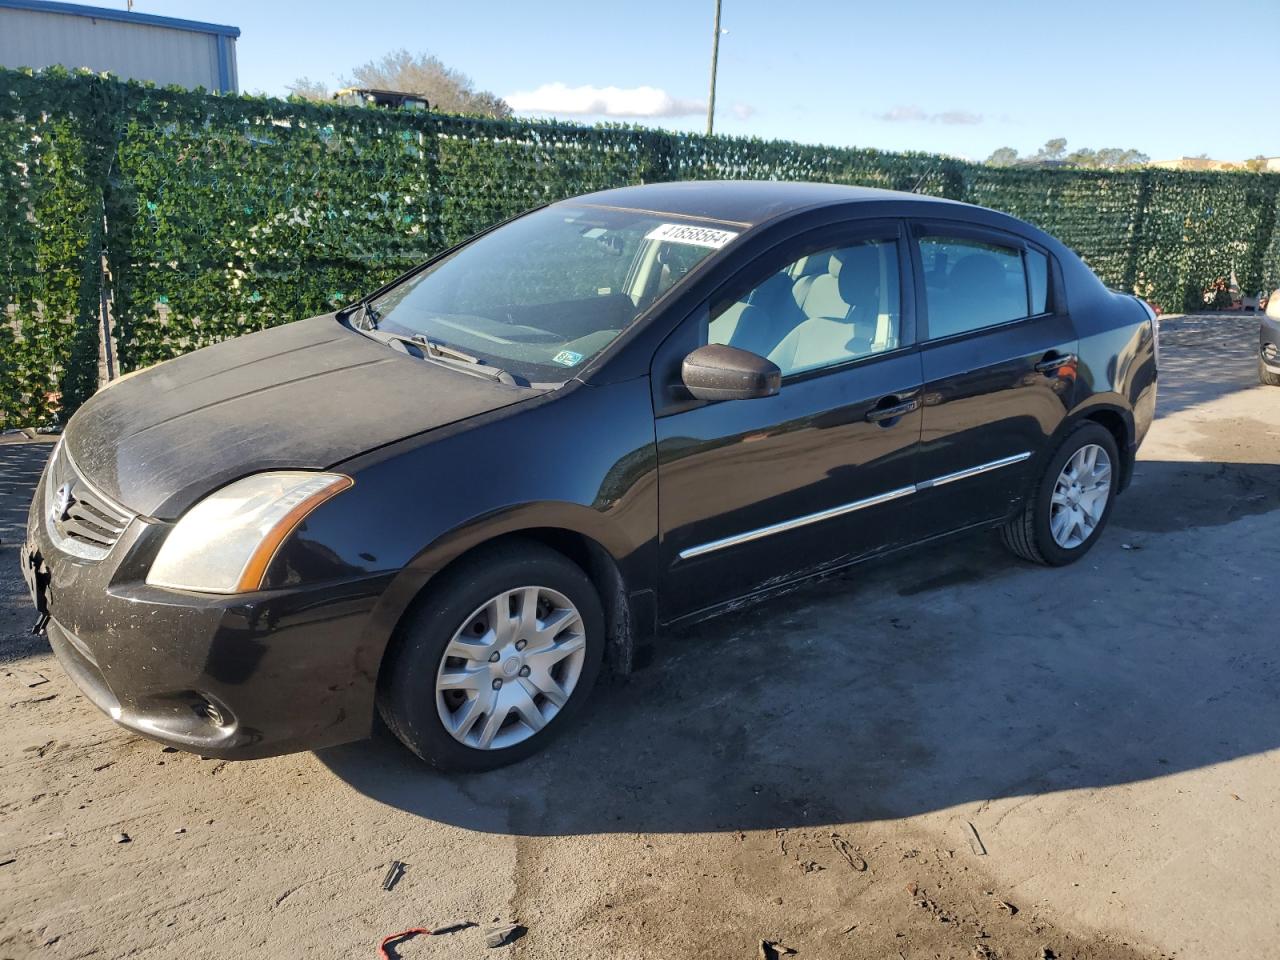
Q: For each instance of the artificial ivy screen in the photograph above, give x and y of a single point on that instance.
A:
(198, 217)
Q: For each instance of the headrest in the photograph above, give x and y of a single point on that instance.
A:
(860, 276)
(975, 271)
(774, 295)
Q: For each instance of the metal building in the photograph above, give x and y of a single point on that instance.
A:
(137, 46)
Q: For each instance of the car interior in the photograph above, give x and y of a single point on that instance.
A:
(824, 308)
(969, 284)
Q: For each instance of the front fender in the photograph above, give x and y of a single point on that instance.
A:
(581, 461)
(560, 517)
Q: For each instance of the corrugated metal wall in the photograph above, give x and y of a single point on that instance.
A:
(136, 51)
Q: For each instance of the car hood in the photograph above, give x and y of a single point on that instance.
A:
(306, 395)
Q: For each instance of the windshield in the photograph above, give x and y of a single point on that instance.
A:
(544, 294)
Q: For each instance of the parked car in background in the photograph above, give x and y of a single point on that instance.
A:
(372, 97)
(458, 500)
(1269, 342)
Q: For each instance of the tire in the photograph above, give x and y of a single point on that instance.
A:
(463, 607)
(1030, 532)
(1266, 377)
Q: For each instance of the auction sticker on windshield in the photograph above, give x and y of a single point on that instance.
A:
(694, 236)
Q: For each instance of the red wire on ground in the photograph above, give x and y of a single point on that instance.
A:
(402, 935)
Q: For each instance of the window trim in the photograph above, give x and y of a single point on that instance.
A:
(960, 230)
(1048, 280)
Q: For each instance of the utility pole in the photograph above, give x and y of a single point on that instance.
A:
(715, 55)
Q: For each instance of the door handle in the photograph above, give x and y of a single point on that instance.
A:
(1053, 362)
(880, 414)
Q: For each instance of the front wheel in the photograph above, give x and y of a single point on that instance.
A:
(1266, 377)
(496, 659)
(1065, 513)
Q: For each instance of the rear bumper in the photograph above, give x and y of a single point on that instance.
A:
(232, 677)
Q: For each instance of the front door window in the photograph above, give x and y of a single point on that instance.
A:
(823, 309)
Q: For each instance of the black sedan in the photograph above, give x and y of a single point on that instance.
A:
(455, 503)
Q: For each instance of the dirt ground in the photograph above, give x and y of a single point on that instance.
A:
(948, 755)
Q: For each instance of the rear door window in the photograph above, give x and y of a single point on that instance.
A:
(971, 284)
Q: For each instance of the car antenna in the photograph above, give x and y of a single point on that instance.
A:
(923, 177)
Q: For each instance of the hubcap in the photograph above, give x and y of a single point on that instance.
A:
(1080, 496)
(510, 668)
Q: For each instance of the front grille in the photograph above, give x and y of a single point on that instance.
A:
(81, 519)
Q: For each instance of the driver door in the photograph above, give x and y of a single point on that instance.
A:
(755, 493)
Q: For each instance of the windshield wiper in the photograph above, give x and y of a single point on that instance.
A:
(369, 315)
(452, 356)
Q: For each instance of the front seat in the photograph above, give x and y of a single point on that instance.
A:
(822, 340)
(769, 316)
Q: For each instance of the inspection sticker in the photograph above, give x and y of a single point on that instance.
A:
(694, 236)
(567, 358)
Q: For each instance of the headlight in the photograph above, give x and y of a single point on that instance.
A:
(226, 541)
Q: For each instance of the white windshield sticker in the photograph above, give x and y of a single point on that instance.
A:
(694, 236)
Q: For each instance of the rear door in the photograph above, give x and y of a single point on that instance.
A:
(753, 493)
(998, 352)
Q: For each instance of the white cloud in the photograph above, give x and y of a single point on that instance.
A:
(902, 115)
(914, 114)
(744, 111)
(559, 98)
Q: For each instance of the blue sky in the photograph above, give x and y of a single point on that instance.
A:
(1169, 78)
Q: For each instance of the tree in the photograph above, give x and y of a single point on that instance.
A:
(1108, 158)
(1084, 157)
(1257, 164)
(1134, 158)
(1053, 149)
(1003, 157)
(308, 89)
(446, 89)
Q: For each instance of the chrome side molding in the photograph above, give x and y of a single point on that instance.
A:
(832, 512)
(804, 521)
(973, 471)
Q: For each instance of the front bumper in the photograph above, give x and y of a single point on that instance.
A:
(234, 677)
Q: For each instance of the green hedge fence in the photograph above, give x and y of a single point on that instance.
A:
(188, 218)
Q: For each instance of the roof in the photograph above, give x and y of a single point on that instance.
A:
(743, 202)
(124, 16)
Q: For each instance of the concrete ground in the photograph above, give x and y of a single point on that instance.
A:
(951, 754)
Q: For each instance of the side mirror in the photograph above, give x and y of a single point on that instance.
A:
(721, 372)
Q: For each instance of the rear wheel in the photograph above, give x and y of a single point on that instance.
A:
(1266, 377)
(1071, 502)
(497, 658)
